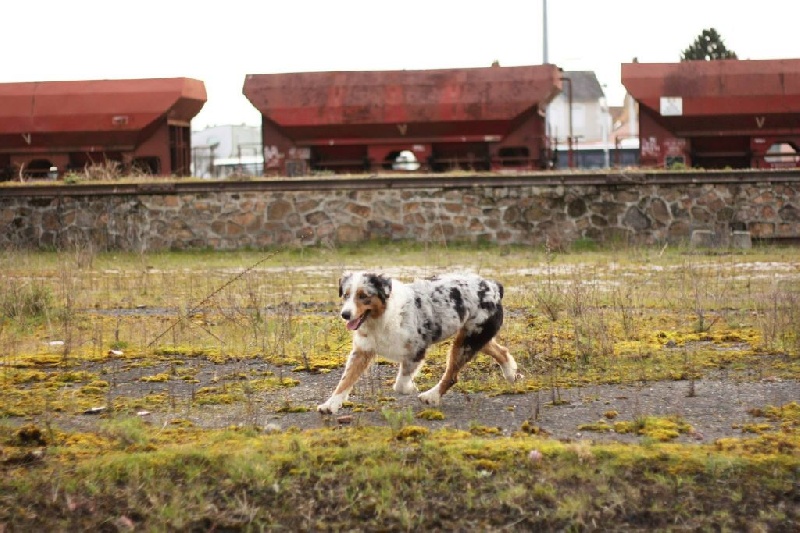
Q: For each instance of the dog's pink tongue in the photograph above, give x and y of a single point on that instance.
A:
(352, 325)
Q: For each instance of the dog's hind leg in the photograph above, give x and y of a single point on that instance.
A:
(461, 352)
(469, 340)
(357, 363)
(507, 363)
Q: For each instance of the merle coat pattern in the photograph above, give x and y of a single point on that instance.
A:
(400, 321)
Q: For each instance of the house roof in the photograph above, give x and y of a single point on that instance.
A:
(585, 87)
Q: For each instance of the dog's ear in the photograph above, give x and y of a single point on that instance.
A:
(342, 281)
(382, 284)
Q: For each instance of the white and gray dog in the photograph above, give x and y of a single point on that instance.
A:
(400, 321)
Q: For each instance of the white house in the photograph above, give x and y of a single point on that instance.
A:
(219, 151)
(580, 113)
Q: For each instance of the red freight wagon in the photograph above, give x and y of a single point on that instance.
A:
(474, 118)
(716, 114)
(71, 124)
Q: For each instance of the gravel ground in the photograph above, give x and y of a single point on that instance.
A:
(716, 406)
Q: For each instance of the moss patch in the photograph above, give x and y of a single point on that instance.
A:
(662, 429)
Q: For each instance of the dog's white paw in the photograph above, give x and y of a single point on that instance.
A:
(431, 397)
(510, 371)
(331, 407)
(405, 387)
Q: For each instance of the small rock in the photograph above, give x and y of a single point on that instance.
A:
(124, 523)
(115, 352)
(95, 410)
(344, 420)
(272, 427)
(143, 413)
(535, 456)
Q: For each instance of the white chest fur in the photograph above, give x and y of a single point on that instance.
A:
(389, 335)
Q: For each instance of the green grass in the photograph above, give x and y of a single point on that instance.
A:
(600, 316)
(384, 479)
(95, 323)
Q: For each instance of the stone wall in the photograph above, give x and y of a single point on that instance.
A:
(526, 213)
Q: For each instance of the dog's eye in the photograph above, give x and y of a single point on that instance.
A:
(345, 295)
(364, 297)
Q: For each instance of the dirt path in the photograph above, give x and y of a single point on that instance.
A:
(716, 409)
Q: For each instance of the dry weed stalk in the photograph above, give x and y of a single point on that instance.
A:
(777, 316)
(207, 299)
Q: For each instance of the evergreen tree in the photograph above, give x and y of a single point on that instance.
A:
(707, 47)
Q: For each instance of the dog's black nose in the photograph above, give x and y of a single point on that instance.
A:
(346, 315)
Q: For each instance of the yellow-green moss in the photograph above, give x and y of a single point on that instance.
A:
(662, 429)
(92, 390)
(411, 433)
(530, 428)
(755, 428)
(431, 414)
(599, 426)
(787, 413)
(218, 395)
(292, 408)
(25, 376)
(155, 378)
(478, 429)
(486, 465)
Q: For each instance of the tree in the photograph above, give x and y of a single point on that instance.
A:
(707, 47)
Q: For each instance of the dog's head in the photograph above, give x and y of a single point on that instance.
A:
(364, 296)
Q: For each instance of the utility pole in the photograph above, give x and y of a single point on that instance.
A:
(570, 156)
(545, 58)
(545, 61)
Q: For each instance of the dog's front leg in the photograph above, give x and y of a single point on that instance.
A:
(404, 384)
(357, 363)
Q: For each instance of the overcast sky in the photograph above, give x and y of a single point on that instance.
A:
(220, 42)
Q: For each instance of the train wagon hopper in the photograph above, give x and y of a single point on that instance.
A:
(428, 120)
(53, 127)
(717, 114)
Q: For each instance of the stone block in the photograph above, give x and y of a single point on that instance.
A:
(741, 240)
(660, 211)
(703, 238)
(279, 210)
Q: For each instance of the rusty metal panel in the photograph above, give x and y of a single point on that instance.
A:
(100, 112)
(719, 95)
(725, 87)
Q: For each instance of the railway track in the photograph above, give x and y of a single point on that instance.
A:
(381, 181)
